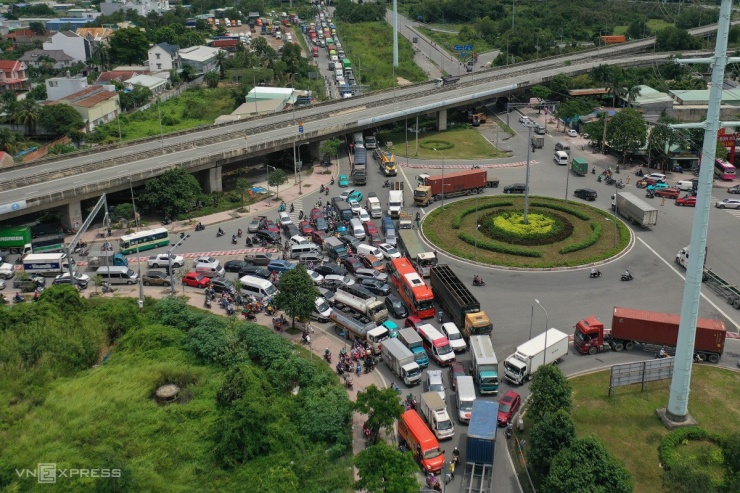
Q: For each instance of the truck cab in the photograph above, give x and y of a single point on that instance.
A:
(485, 365)
(589, 336)
(437, 345)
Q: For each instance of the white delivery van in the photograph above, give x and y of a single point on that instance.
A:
(560, 157)
(298, 250)
(364, 250)
(465, 398)
(356, 228)
(257, 287)
(117, 275)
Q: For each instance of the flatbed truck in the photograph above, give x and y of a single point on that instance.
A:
(458, 302)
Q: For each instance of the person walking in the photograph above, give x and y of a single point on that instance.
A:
(662, 201)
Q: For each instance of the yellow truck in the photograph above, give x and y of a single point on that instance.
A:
(386, 161)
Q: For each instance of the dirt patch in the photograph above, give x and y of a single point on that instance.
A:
(403, 82)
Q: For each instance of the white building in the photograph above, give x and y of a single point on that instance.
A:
(142, 7)
(70, 43)
(60, 87)
(155, 84)
(164, 56)
(201, 58)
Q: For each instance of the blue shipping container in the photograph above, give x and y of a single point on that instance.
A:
(481, 443)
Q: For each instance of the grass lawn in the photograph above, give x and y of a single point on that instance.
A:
(468, 143)
(450, 39)
(629, 428)
(438, 229)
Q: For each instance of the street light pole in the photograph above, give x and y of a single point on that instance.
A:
(526, 186)
(544, 353)
(169, 262)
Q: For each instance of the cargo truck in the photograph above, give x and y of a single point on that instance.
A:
(410, 245)
(480, 447)
(434, 411)
(46, 264)
(548, 347)
(538, 141)
(401, 361)
(636, 211)
(359, 166)
(386, 161)
(458, 302)
(369, 306)
(395, 202)
(416, 436)
(649, 329)
(372, 205)
(445, 81)
(430, 188)
(485, 365)
(413, 342)
(579, 166)
(352, 329)
(105, 258)
(16, 239)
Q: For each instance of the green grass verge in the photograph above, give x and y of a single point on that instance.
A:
(627, 424)
(467, 143)
(368, 46)
(439, 229)
(439, 34)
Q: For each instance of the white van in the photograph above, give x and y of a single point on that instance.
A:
(560, 157)
(285, 219)
(298, 250)
(355, 226)
(434, 383)
(117, 275)
(452, 333)
(562, 146)
(465, 398)
(213, 269)
(298, 240)
(257, 287)
(364, 250)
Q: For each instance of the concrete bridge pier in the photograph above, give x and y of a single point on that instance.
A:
(313, 151)
(72, 215)
(442, 120)
(210, 180)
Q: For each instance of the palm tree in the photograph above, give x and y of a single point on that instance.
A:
(188, 73)
(631, 91)
(27, 115)
(615, 87)
(601, 74)
(8, 141)
(221, 57)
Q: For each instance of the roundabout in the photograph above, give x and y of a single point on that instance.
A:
(492, 230)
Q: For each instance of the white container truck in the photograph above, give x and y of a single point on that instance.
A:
(373, 309)
(352, 329)
(373, 207)
(636, 210)
(542, 350)
(395, 202)
(485, 364)
(434, 410)
(46, 264)
(401, 361)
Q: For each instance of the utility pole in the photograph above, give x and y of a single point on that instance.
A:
(395, 33)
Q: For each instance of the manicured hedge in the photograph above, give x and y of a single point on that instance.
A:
(460, 215)
(561, 208)
(562, 229)
(667, 449)
(498, 247)
(591, 240)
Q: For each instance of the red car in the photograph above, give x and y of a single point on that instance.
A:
(195, 280)
(271, 226)
(686, 200)
(370, 228)
(457, 369)
(318, 237)
(305, 228)
(508, 406)
(315, 214)
(352, 264)
(671, 193)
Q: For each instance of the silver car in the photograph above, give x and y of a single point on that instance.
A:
(728, 204)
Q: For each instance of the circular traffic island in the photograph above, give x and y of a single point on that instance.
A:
(555, 233)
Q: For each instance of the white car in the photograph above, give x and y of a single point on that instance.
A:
(356, 207)
(161, 260)
(572, 133)
(2, 284)
(685, 185)
(201, 260)
(524, 119)
(389, 251)
(315, 277)
(285, 219)
(656, 176)
(336, 278)
(346, 193)
(364, 216)
(79, 277)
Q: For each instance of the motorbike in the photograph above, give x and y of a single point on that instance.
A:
(327, 191)
(662, 354)
(321, 190)
(387, 184)
(300, 216)
(282, 207)
(433, 482)
(306, 338)
(278, 323)
(239, 233)
(595, 274)
(332, 181)
(396, 387)
(650, 194)
(166, 221)
(106, 288)
(199, 227)
(616, 170)
(599, 178)
(610, 180)
(233, 240)
(327, 356)
(639, 172)
(509, 431)
(410, 402)
(292, 207)
(220, 233)
(627, 276)
(348, 382)
(477, 281)
(18, 299)
(249, 242)
(207, 303)
(593, 171)
(620, 184)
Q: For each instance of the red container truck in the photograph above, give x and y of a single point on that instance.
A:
(631, 327)
(619, 38)
(430, 188)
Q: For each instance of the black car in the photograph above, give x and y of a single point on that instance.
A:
(155, 278)
(330, 268)
(350, 240)
(258, 258)
(256, 271)
(375, 286)
(223, 286)
(291, 230)
(396, 307)
(515, 188)
(234, 265)
(267, 235)
(585, 194)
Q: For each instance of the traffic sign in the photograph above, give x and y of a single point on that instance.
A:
(463, 53)
(459, 47)
(300, 127)
(468, 47)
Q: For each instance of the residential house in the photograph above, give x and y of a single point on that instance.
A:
(142, 7)
(96, 104)
(118, 75)
(37, 57)
(60, 87)
(164, 56)
(13, 75)
(95, 35)
(155, 84)
(653, 104)
(70, 43)
(23, 37)
(201, 58)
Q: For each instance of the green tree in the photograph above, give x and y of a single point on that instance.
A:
(277, 178)
(383, 468)
(211, 79)
(561, 84)
(221, 59)
(9, 141)
(601, 74)
(38, 93)
(125, 211)
(27, 115)
(541, 92)
(548, 437)
(60, 119)
(587, 467)
(673, 39)
(242, 188)
(128, 46)
(331, 148)
(37, 27)
(638, 29)
(297, 294)
(188, 73)
(381, 407)
(731, 453)
(550, 392)
(173, 192)
(627, 132)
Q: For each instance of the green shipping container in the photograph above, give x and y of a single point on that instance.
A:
(346, 63)
(15, 238)
(579, 166)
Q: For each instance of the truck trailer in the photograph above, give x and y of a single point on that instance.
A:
(410, 245)
(46, 264)
(401, 361)
(413, 342)
(636, 210)
(433, 409)
(395, 202)
(485, 365)
(458, 302)
(548, 347)
(352, 329)
(369, 306)
(631, 327)
(480, 447)
(16, 239)
(430, 188)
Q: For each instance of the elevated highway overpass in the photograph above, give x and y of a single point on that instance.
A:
(67, 181)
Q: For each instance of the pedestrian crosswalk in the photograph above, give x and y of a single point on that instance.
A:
(297, 208)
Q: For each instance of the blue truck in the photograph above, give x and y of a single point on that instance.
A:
(481, 447)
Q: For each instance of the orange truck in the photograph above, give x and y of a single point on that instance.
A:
(608, 40)
(420, 441)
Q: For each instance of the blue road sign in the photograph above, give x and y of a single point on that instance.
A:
(459, 47)
(463, 53)
(300, 127)
(468, 47)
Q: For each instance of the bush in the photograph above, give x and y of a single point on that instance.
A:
(460, 215)
(169, 120)
(561, 208)
(436, 144)
(591, 240)
(498, 247)
(562, 229)
(667, 449)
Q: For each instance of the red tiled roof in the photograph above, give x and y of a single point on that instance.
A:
(95, 99)
(10, 65)
(82, 94)
(116, 75)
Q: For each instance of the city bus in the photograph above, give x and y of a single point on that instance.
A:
(412, 288)
(144, 240)
(724, 170)
(412, 247)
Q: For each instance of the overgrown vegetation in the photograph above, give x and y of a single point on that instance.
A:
(236, 422)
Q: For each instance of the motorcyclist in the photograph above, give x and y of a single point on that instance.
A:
(18, 298)
(221, 232)
(662, 353)
(322, 188)
(239, 233)
(477, 279)
(387, 184)
(455, 455)
(332, 181)
(199, 226)
(233, 239)
(627, 274)
(593, 170)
